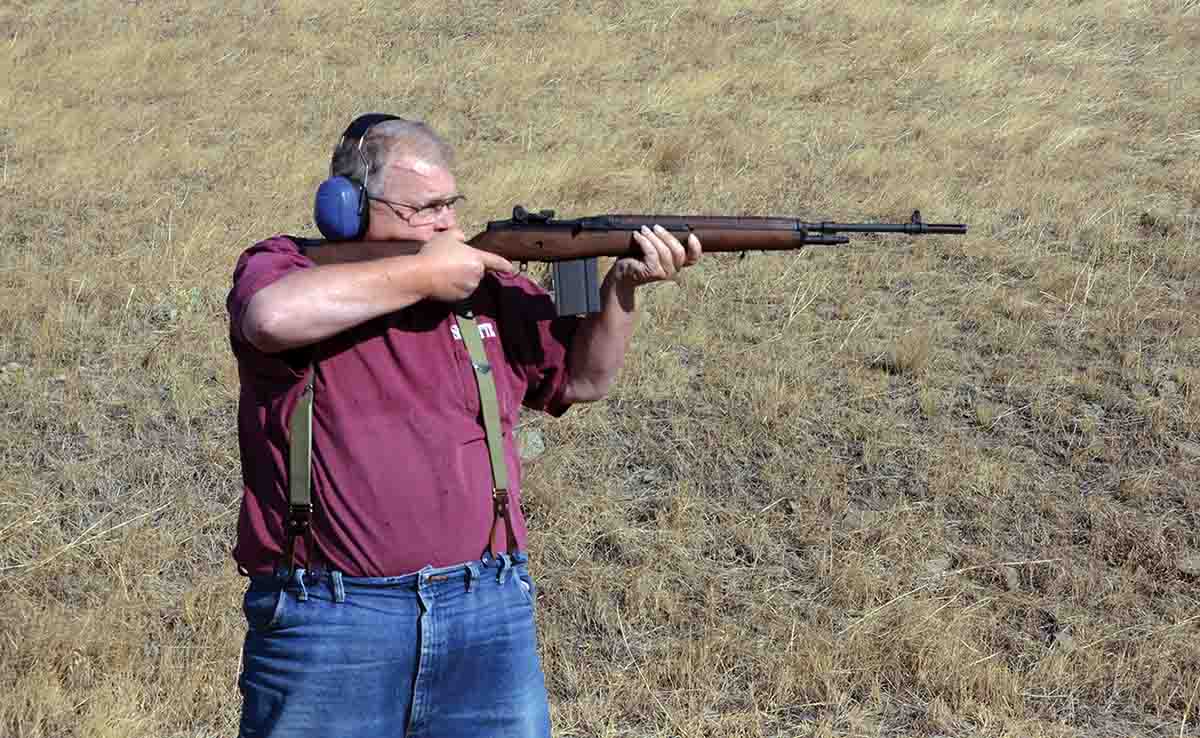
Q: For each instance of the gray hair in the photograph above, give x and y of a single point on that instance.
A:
(384, 143)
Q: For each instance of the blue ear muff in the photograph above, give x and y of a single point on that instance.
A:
(339, 209)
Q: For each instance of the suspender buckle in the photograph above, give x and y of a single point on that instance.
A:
(500, 501)
(299, 523)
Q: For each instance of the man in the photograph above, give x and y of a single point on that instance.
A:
(399, 616)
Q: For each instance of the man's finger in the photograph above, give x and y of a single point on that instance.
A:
(496, 263)
(666, 260)
(693, 249)
(650, 255)
(678, 255)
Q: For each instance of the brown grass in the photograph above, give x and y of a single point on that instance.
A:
(945, 487)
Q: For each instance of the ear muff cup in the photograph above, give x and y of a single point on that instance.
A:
(340, 209)
(340, 206)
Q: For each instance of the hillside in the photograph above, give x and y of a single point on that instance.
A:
(946, 486)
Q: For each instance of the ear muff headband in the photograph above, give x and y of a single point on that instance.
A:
(340, 207)
(357, 130)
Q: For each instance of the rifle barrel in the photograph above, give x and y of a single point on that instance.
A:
(748, 223)
(913, 228)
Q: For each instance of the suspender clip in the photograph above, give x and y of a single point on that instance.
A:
(299, 523)
(503, 514)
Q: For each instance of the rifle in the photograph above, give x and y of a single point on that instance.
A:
(572, 246)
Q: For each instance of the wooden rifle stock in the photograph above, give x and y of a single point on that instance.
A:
(553, 244)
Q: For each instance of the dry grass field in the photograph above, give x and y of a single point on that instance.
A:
(935, 487)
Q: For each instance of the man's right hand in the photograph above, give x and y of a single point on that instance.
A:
(455, 269)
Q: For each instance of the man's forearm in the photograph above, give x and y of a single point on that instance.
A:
(309, 305)
(598, 350)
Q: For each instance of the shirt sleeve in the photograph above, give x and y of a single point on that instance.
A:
(261, 265)
(543, 341)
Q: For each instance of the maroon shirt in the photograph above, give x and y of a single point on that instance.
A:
(401, 476)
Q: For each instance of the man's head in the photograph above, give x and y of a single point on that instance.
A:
(405, 167)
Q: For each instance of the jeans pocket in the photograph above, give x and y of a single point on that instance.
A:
(525, 582)
(263, 608)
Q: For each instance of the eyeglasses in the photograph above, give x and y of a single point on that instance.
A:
(422, 215)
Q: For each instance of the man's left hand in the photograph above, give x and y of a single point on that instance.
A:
(662, 257)
(598, 349)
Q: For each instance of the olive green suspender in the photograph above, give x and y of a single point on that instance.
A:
(299, 522)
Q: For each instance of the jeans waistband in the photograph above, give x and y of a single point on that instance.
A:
(302, 577)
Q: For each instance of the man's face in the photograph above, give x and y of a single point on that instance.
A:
(419, 196)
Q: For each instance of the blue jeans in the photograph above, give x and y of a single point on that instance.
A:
(441, 652)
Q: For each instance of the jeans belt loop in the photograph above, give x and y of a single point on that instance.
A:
(298, 580)
(473, 574)
(339, 587)
(505, 565)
